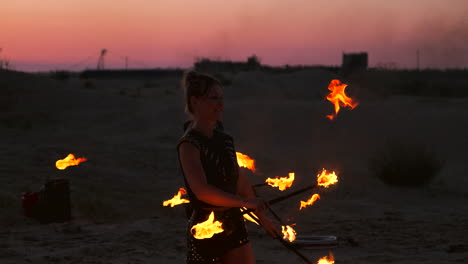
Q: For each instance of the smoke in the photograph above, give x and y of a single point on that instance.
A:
(442, 43)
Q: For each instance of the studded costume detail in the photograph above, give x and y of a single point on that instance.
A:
(219, 161)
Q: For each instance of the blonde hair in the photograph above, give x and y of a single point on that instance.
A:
(196, 84)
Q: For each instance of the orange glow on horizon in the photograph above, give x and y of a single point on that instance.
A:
(173, 33)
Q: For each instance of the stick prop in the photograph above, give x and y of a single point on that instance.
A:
(287, 196)
(286, 244)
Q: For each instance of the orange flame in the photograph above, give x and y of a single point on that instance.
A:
(327, 259)
(70, 160)
(207, 229)
(247, 217)
(288, 233)
(338, 97)
(176, 199)
(245, 161)
(282, 183)
(311, 201)
(326, 179)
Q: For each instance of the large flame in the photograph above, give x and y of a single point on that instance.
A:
(327, 259)
(282, 183)
(338, 97)
(70, 160)
(311, 201)
(326, 179)
(245, 161)
(288, 233)
(207, 229)
(176, 200)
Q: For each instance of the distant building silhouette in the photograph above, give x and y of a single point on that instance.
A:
(132, 74)
(354, 62)
(208, 65)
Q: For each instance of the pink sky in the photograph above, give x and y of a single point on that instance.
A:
(69, 34)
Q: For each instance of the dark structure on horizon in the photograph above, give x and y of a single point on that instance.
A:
(132, 74)
(354, 62)
(214, 66)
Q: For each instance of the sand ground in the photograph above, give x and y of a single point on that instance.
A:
(128, 130)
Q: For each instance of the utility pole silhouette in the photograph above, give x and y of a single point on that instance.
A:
(417, 59)
(100, 65)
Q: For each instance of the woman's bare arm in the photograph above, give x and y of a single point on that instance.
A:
(244, 189)
(195, 175)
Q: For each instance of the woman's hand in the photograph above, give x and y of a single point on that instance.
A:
(269, 227)
(257, 204)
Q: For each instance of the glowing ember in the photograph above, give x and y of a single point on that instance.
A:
(326, 179)
(247, 217)
(327, 259)
(338, 97)
(176, 200)
(70, 160)
(311, 201)
(245, 161)
(207, 229)
(288, 233)
(282, 183)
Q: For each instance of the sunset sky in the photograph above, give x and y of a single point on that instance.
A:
(69, 34)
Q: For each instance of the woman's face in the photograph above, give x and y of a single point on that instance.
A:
(211, 106)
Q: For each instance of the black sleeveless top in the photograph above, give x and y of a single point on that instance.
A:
(219, 161)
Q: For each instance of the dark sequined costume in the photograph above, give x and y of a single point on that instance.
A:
(219, 162)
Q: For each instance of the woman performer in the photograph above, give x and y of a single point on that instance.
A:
(211, 173)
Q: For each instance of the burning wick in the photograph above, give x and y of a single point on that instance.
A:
(245, 161)
(338, 97)
(282, 183)
(326, 179)
(288, 233)
(311, 201)
(176, 199)
(70, 160)
(327, 259)
(207, 229)
(247, 217)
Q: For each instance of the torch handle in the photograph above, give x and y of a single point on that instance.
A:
(284, 197)
(286, 244)
(259, 185)
(293, 249)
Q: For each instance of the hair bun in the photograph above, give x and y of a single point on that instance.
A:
(191, 76)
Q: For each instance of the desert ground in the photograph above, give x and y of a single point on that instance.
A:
(128, 130)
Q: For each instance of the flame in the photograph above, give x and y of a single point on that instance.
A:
(288, 233)
(338, 97)
(207, 229)
(327, 259)
(326, 179)
(311, 201)
(282, 183)
(245, 161)
(247, 217)
(176, 199)
(70, 160)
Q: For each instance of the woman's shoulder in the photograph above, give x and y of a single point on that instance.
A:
(190, 136)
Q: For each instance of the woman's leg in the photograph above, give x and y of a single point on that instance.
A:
(242, 254)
